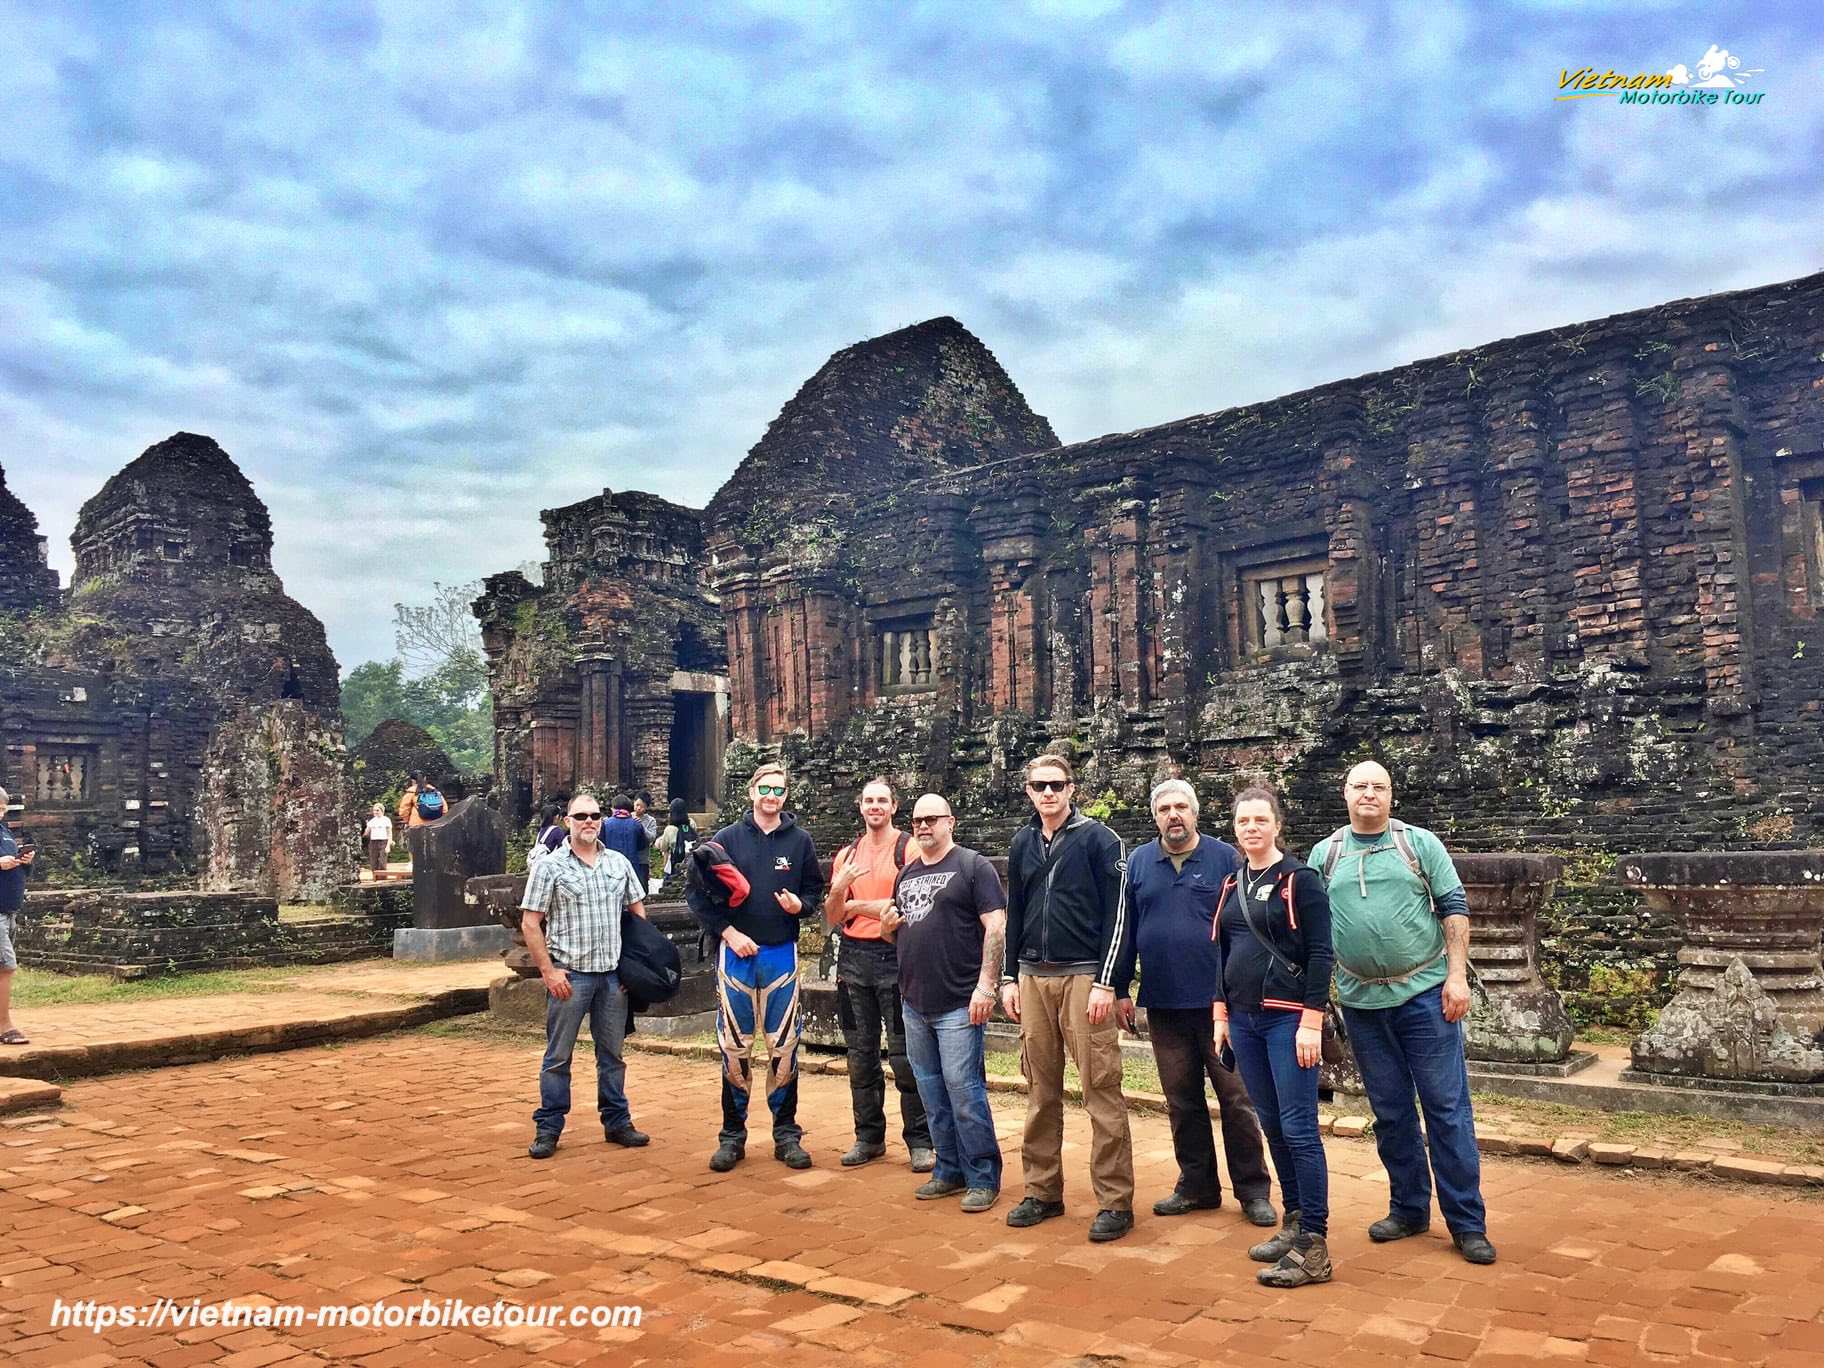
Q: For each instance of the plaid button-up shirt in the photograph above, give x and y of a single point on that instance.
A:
(582, 907)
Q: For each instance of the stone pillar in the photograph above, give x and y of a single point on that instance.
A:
(601, 732)
(1010, 530)
(1750, 1005)
(735, 575)
(1602, 524)
(1517, 1018)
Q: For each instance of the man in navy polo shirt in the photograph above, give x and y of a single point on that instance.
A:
(1173, 885)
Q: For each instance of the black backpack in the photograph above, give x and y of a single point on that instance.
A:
(651, 969)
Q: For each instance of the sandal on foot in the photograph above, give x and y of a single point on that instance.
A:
(14, 1036)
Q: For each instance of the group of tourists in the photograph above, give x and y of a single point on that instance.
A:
(1237, 948)
(631, 830)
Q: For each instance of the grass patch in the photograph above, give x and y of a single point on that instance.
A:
(1605, 1035)
(1137, 1075)
(1495, 1111)
(42, 988)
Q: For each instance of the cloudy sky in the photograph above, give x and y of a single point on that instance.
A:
(424, 269)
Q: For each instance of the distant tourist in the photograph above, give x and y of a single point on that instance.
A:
(379, 833)
(623, 832)
(407, 808)
(675, 842)
(949, 919)
(1067, 928)
(1273, 931)
(571, 918)
(642, 813)
(1173, 884)
(867, 981)
(1400, 920)
(429, 805)
(16, 858)
(552, 832)
(776, 880)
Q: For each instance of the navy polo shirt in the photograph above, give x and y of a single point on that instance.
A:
(1173, 910)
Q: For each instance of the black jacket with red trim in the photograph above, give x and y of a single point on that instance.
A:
(1295, 918)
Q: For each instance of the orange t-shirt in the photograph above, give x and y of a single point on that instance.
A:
(876, 883)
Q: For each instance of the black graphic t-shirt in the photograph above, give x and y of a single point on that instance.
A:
(940, 940)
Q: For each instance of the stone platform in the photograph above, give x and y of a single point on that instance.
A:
(1609, 1084)
(337, 1003)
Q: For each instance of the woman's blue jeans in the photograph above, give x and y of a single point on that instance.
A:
(1285, 1098)
(949, 1062)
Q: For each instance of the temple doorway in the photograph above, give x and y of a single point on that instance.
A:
(699, 726)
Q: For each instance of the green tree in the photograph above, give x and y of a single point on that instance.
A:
(371, 693)
(439, 679)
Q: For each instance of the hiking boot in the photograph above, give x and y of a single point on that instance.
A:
(727, 1155)
(1032, 1210)
(1259, 1211)
(1308, 1261)
(924, 1159)
(1110, 1225)
(937, 1187)
(980, 1199)
(1179, 1205)
(862, 1154)
(543, 1145)
(628, 1136)
(1396, 1228)
(1274, 1249)
(792, 1155)
(1474, 1246)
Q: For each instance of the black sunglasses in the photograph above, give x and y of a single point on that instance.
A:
(1048, 785)
(932, 820)
(585, 816)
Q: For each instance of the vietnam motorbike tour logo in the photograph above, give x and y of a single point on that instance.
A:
(1718, 78)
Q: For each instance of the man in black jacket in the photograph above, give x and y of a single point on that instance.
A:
(757, 964)
(1067, 931)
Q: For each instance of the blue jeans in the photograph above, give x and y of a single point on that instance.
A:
(1285, 1097)
(948, 1060)
(601, 998)
(1407, 1049)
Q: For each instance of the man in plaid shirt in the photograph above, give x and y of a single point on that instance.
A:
(571, 917)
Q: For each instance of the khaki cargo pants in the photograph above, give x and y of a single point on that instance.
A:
(1054, 1020)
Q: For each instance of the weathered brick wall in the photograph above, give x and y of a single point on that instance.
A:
(27, 583)
(174, 624)
(1568, 582)
(583, 669)
(275, 806)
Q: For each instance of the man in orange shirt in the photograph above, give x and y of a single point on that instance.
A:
(867, 981)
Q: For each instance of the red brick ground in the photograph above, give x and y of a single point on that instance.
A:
(394, 1168)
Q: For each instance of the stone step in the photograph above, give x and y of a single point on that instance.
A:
(24, 1094)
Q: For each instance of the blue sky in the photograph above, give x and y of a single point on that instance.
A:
(425, 269)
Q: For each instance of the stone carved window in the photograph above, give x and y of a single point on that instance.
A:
(1811, 530)
(64, 776)
(908, 658)
(1283, 605)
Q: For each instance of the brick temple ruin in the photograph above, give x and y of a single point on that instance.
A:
(173, 715)
(1566, 585)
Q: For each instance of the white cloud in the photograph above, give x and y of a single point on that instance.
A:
(424, 271)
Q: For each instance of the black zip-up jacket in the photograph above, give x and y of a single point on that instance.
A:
(1295, 916)
(1068, 904)
(782, 860)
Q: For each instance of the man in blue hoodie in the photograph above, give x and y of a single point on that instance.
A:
(757, 964)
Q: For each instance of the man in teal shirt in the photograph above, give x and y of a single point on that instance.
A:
(1400, 927)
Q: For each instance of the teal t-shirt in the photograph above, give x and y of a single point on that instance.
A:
(1381, 920)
